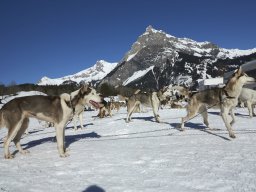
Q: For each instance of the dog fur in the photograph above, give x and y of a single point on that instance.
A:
(226, 98)
(248, 96)
(58, 110)
(152, 100)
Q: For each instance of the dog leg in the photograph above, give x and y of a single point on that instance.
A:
(191, 112)
(131, 110)
(155, 106)
(253, 113)
(249, 106)
(81, 120)
(74, 122)
(233, 116)
(204, 113)
(12, 132)
(60, 131)
(110, 112)
(16, 139)
(224, 115)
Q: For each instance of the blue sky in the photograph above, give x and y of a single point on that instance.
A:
(62, 37)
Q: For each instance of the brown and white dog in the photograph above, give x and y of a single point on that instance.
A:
(58, 110)
(225, 98)
(152, 100)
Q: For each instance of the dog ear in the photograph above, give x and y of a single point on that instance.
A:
(84, 88)
(239, 71)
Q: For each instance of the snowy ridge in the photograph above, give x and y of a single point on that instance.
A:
(94, 73)
(232, 53)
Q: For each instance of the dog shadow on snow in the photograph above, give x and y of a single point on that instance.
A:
(78, 126)
(199, 127)
(148, 118)
(69, 139)
(237, 114)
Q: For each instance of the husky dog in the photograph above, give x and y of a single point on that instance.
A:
(248, 96)
(105, 109)
(79, 110)
(58, 110)
(226, 98)
(152, 100)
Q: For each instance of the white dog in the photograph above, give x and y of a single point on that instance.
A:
(248, 96)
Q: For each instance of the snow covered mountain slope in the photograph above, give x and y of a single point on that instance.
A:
(94, 73)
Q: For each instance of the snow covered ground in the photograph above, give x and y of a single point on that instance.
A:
(141, 156)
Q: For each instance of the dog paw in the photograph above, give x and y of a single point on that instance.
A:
(64, 155)
(24, 152)
(9, 156)
(232, 135)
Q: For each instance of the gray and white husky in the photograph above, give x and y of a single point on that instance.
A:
(152, 100)
(225, 98)
(58, 110)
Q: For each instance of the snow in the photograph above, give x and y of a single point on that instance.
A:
(131, 56)
(137, 75)
(232, 53)
(140, 156)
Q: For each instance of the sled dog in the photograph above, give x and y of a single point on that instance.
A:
(248, 96)
(225, 98)
(152, 100)
(79, 110)
(58, 110)
(105, 109)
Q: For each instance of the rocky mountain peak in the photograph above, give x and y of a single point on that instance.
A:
(157, 59)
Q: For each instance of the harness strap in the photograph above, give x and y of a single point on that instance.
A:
(73, 108)
(227, 96)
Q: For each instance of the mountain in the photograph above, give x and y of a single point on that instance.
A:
(95, 73)
(157, 59)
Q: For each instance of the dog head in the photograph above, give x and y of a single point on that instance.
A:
(178, 93)
(239, 78)
(164, 94)
(86, 96)
(91, 96)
